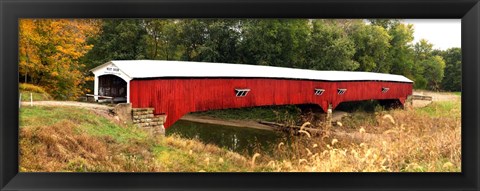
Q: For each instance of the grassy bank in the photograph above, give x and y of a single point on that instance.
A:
(31, 92)
(66, 139)
(415, 140)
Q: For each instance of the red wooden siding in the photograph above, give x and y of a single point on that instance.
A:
(177, 97)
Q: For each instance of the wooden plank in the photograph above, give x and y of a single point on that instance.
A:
(421, 97)
(100, 96)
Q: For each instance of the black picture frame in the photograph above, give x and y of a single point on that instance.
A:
(11, 11)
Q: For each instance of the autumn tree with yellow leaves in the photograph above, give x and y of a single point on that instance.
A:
(50, 52)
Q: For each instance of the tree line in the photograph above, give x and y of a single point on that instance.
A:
(58, 54)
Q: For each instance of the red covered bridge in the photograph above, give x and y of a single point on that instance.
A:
(176, 88)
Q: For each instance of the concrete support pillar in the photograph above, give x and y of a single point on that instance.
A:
(163, 119)
(329, 116)
(124, 112)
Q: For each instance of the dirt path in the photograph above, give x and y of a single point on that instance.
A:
(68, 103)
(436, 96)
(98, 109)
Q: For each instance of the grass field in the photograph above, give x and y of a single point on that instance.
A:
(25, 96)
(69, 139)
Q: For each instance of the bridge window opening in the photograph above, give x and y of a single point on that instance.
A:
(241, 92)
(385, 90)
(341, 91)
(319, 91)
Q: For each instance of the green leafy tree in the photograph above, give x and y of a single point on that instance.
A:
(221, 41)
(423, 50)
(372, 44)
(275, 42)
(211, 40)
(453, 69)
(385, 23)
(330, 48)
(192, 38)
(120, 39)
(429, 68)
(163, 39)
(400, 57)
(434, 68)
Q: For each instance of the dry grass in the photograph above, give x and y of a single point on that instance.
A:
(47, 148)
(60, 147)
(422, 140)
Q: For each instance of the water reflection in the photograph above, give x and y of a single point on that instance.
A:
(237, 139)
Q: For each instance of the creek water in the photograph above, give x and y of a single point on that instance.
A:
(242, 140)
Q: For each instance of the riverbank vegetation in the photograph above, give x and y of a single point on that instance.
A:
(57, 54)
(416, 140)
(76, 140)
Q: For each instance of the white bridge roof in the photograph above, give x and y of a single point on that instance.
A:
(161, 68)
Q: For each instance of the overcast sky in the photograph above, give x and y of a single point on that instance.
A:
(442, 33)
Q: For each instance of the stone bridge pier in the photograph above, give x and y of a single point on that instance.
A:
(141, 117)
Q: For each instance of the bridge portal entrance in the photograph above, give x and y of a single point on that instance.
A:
(112, 86)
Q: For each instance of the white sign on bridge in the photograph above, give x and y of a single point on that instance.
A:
(112, 70)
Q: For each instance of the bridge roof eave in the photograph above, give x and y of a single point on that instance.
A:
(178, 69)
